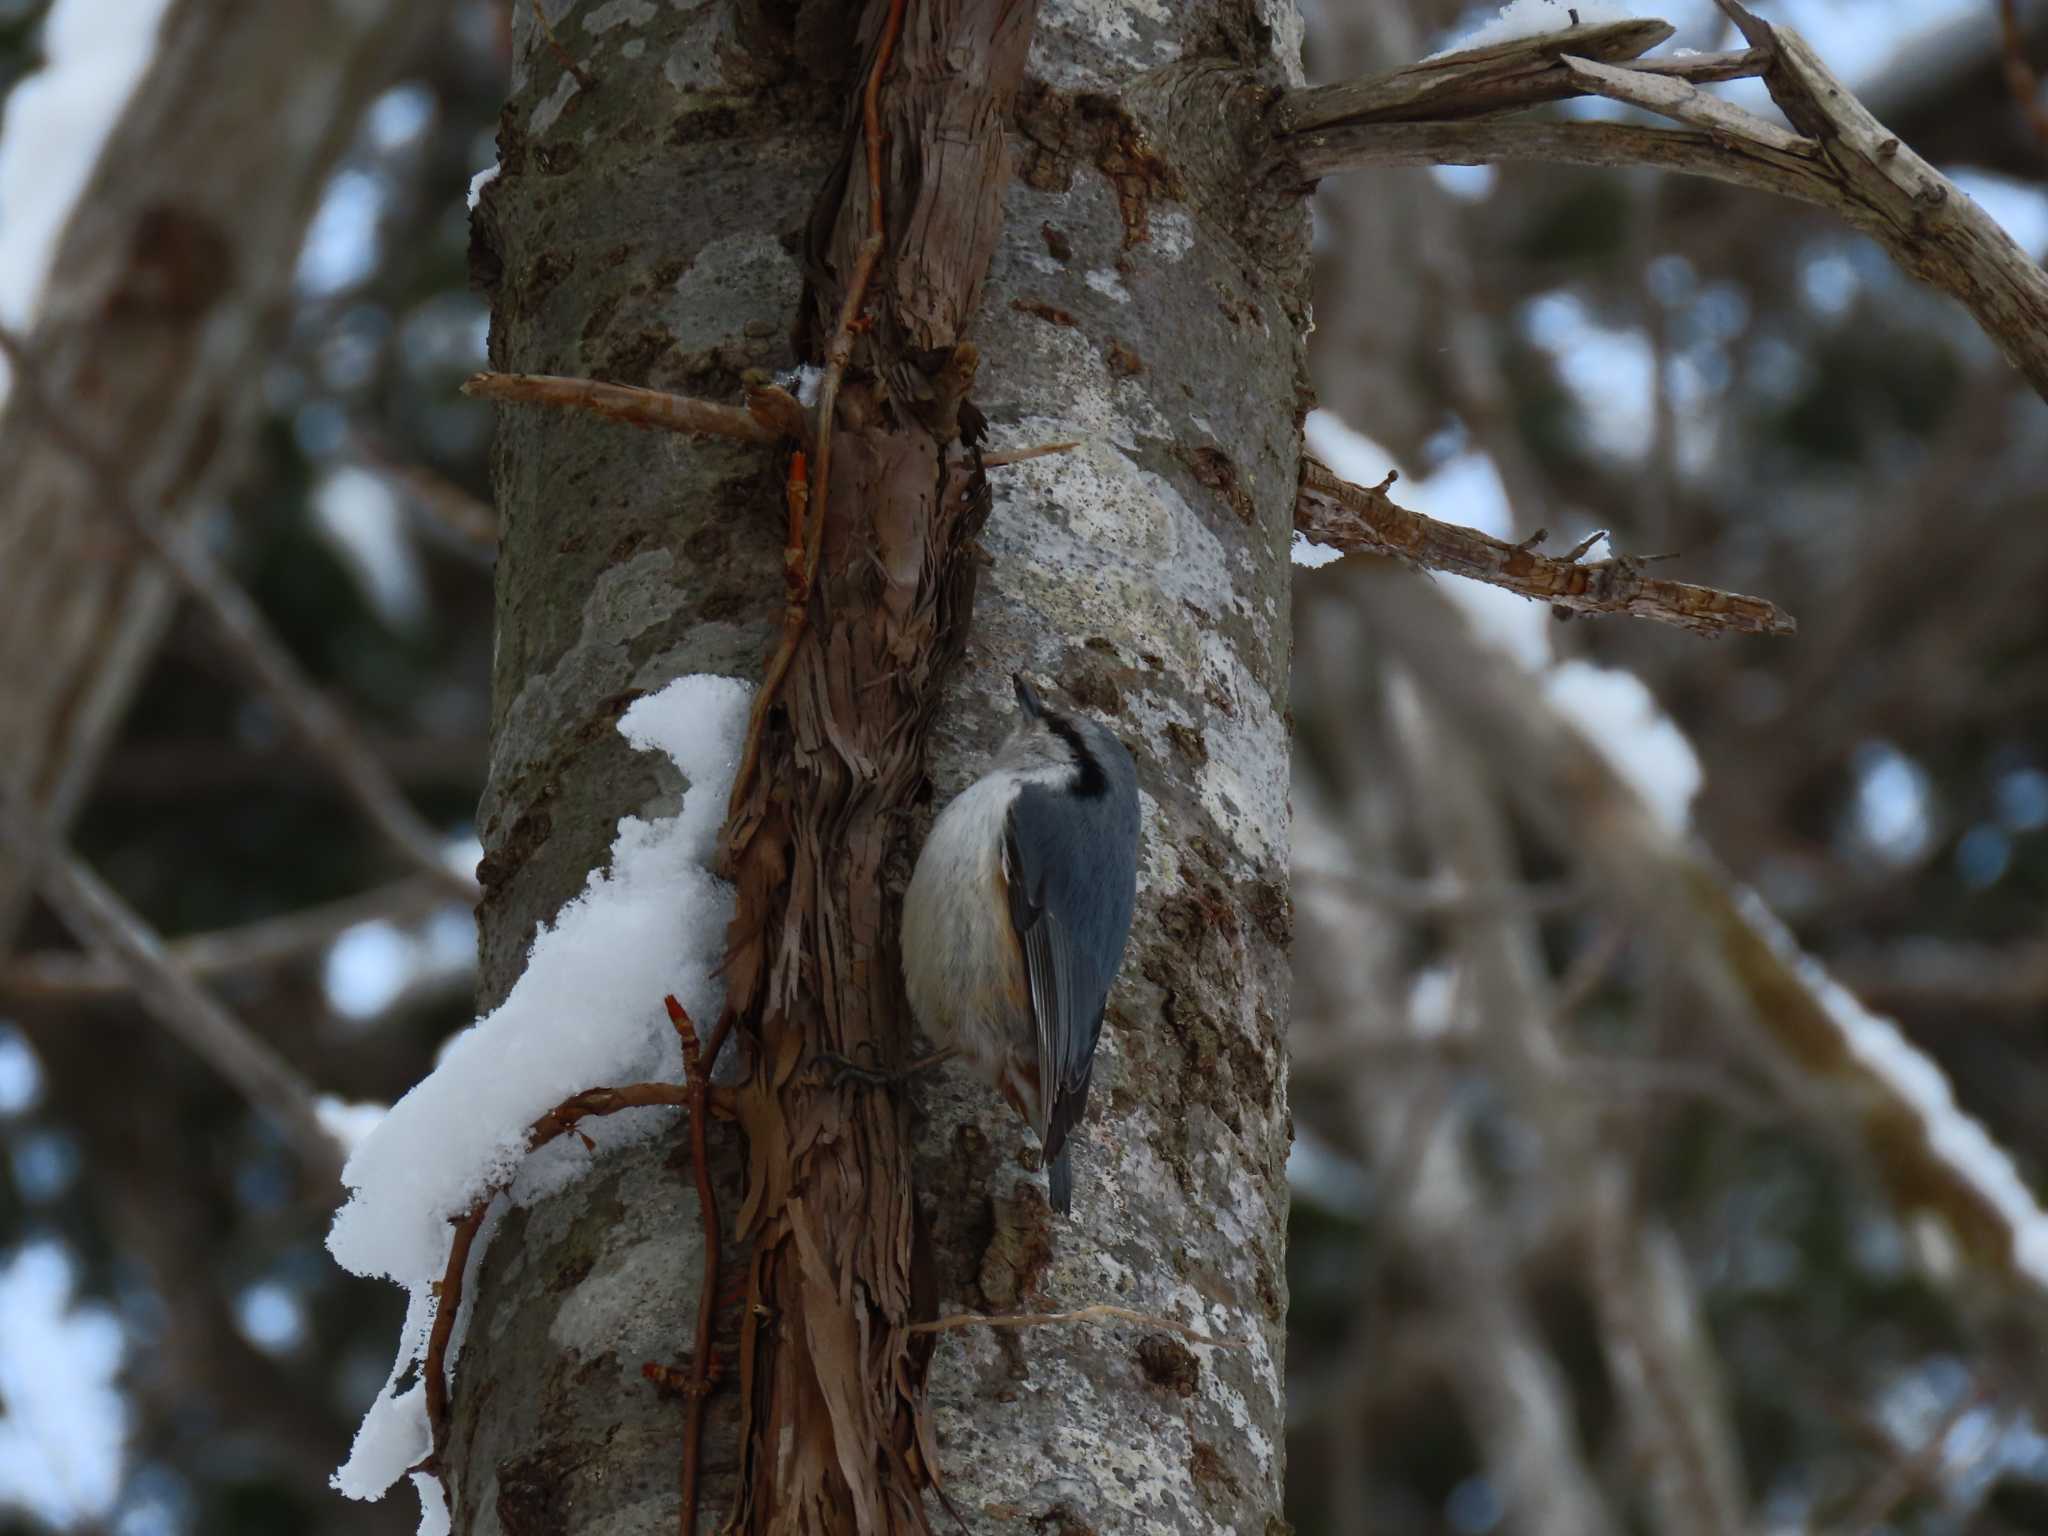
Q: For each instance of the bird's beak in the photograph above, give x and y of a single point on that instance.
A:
(1027, 696)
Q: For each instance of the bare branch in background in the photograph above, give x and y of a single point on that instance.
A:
(1946, 973)
(1663, 1367)
(1842, 1069)
(1688, 1456)
(2020, 75)
(256, 946)
(112, 928)
(162, 297)
(1839, 158)
(327, 733)
(1443, 898)
(1362, 519)
(1912, 1472)
(472, 521)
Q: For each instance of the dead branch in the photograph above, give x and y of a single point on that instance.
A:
(257, 946)
(637, 407)
(1838, 157)
(1361, 519)
(1472, 83)
(556, 1123)
(1351, 147)
(1101, 1312)
(113, 929)
(329, 736)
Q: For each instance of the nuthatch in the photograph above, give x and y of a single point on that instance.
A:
(1016, 917)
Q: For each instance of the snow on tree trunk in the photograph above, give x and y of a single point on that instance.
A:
(1147, 294)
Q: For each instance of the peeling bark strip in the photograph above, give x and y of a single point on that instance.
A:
(831, 1387)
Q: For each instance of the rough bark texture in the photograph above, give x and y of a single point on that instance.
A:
(643, 232)
(829, 1372)
(161, 297)
(646, 232)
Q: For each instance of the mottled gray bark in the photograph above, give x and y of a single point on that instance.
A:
(1139, 295)
(165, 288)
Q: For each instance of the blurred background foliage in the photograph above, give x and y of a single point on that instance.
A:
(1693, 368)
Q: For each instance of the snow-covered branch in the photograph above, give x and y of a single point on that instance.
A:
(1847, 1069)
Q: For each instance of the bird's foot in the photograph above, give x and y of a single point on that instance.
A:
(842, 1070)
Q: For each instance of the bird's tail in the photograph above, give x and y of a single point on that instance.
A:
(1060, 1181)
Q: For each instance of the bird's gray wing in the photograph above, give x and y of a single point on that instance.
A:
(1049, 969)
(1070, 873)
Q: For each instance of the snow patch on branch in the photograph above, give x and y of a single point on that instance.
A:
(1911, 1077)
(585, 1013)
(1532, 18)
(1615, 711)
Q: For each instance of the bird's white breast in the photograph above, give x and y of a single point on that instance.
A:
(961, 963)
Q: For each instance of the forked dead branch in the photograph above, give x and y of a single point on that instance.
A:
(1837, 156)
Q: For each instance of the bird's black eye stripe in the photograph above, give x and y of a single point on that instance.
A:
(1093, 782)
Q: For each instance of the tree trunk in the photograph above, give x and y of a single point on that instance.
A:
(647, 230)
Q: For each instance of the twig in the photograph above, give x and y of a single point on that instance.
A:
(324, 729)
(556, 1123)
(1905, 1477)
(547, 31)
(651, 408)
(100, 919)
(231, 951)
(1101, 1312)
(1356, 518)
(471, 520)
(2021, 78)
(837, 356)
(1682, 102)
(703, 1375)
